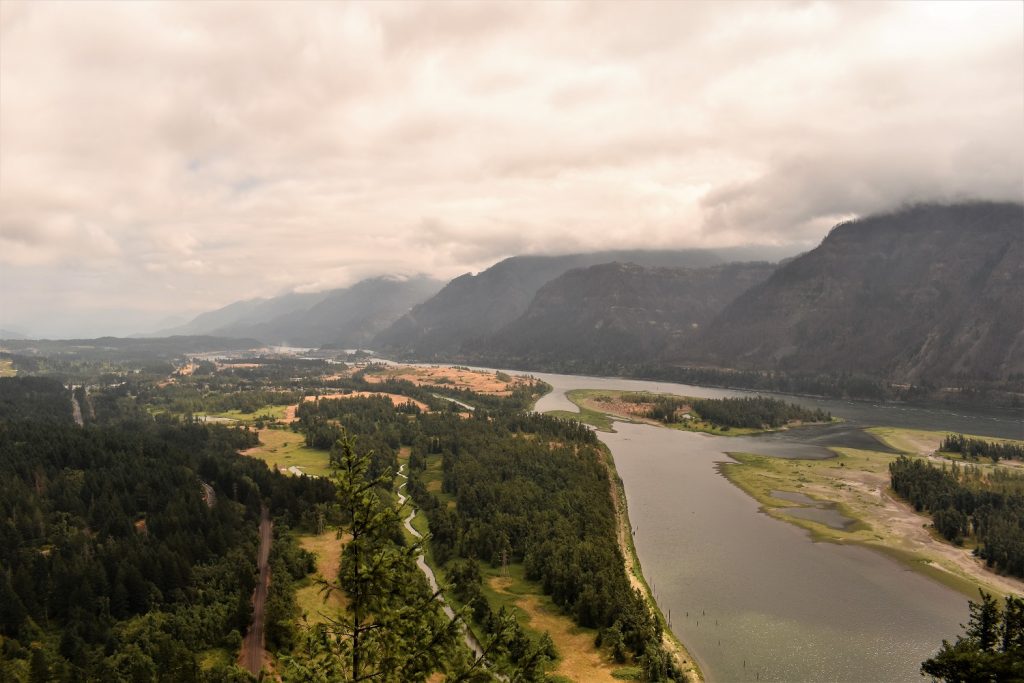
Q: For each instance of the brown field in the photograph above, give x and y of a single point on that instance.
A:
(459, 378)
(186, 369)
(580, 660)
(614, 405)
(327, 548)
(396, 399)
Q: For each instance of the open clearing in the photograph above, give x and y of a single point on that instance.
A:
(7, 368)
(926, 444)
(271, 412)
(857, 481)
(493, 383)
(579, 660)
(286, 449)
(327, 548)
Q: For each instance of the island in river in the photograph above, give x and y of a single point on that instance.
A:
(754, 599)
(843, 499)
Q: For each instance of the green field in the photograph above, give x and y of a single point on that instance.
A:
(271, 412)
(856, 481)
(595, 418)
(284, 448)
(308, 595)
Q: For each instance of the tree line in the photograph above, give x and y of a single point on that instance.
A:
(991, 648)
(755, 412)
(965, 503)
(973, 448)
(113, 564)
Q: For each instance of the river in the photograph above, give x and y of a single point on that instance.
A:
(752, 597)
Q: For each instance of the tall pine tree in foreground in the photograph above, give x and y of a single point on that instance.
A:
(991, 649)
(393, 629)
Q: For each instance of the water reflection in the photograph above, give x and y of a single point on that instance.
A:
(753, 597)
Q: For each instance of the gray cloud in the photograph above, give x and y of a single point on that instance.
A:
(164, 158)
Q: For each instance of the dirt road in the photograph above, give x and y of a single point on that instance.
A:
(76, 410)
(253, 654)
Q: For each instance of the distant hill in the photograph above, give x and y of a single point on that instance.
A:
(929, 294)
(471, 308)
(620, 312)
(133, 348)
(244, 313)
(11, 334)
(346, 317)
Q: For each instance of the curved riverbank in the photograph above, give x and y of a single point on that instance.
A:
(684, 658)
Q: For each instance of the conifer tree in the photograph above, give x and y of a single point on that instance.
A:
(393, 629)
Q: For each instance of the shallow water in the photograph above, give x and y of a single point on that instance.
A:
(820, 511)
(753, 597)
(856, 414)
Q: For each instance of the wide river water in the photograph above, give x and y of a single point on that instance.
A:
(753, 598)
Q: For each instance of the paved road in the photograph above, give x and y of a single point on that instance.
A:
(467, 635)
(253, 645)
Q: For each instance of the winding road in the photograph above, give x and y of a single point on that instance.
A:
(471, 642)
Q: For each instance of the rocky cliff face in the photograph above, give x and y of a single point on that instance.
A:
(473, 307)
(928, 294)
(621, 312)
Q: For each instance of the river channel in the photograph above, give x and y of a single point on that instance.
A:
(753, 598)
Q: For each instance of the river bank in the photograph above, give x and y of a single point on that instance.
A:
(684, 658)
(624, 531)
(856, 482)
(754, 599)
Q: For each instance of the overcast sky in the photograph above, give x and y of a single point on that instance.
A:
(167, 158)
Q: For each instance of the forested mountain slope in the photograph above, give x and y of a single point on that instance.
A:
(349, 316)
(472, 307)
(620, 312)
(931, 294)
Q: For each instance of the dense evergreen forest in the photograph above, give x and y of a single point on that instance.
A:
(965, 503)
(973, 448)
(114, 565)
(38, 398)
(527, 489)
(129, 544)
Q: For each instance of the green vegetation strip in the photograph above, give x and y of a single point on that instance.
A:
(759, 476)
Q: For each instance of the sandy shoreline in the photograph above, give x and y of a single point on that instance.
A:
(624, 532)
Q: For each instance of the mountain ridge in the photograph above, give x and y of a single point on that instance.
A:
(472, 307)
(924, 294)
